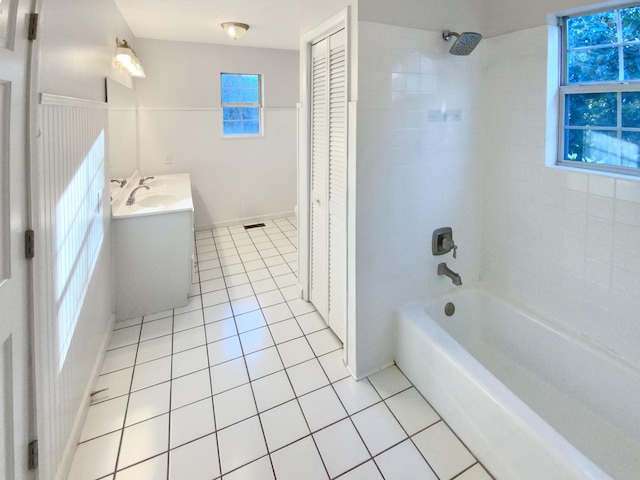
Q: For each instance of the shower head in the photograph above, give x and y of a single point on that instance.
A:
(465, 42)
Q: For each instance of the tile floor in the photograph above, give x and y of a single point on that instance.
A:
(247, 382)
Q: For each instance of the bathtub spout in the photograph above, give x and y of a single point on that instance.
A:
(447, 272)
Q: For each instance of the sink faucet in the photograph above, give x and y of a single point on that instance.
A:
(144, 179)
(122, 182)
(132, 197)
(447, 272)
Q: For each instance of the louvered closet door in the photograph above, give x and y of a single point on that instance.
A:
(329, 181)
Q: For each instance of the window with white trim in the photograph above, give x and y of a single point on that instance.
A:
(600, 91)
(241, 98)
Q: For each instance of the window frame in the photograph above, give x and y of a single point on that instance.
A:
(612, 86)
(258, 104)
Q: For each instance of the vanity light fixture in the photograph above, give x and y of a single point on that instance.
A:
(127, 59)
(234, 29)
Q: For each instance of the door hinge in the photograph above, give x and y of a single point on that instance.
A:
(33, 455)
(29, 244)
(33, 26)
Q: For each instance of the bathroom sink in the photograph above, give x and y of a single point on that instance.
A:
(157, 200)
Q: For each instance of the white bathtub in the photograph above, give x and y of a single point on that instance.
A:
(528, 400)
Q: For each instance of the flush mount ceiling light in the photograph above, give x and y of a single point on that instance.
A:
(127, 59)
(234, 29)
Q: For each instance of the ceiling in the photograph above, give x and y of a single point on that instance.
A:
(272, 23)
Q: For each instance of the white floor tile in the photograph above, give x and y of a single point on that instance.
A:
(158, 315)
(231, 265)
(104, 417)
(259, 470)
(224, 350)
(283, 425)
(285, 331)
(218, 312)
(240, 291)
(272, 390)
(333, 365)
(254, 265)
(153, 349)
(156, 328)
(116, 383)
(404, 462)
(193, 303)
(189, 361)
(240, 444)
(148, 403)
(442, 449)
(213, 285)
(220, 330)
(282, 269)
(250, 257)
(250, 321)
(412, 411)
(151, 469)
(191, 422)
(124, 336)
(286, 280)
(228, 375)
(208, 264)
(211, 274)
(299, 461)
(290, 293)
(144, 440)
(217, 297)
(234, 406)
(263, 286)
(190, 388)
(187, 339)
(340, 447)
(306, 377)
(188, 320)
(259, 274)
(235, 281)
(151, 373)
(295, 351)
(277, 313)
(300, 307)
(324, 341)
(475, 473)
(378, 428)
(197, 460)
(311, 322)
(272, 297)
(322, 408)
(263, 362)
(273, 261)
(95, 458)
(366, 471)
(356, 395)
(389, 381)
(245, 305)
(255, 340)
(119, 358)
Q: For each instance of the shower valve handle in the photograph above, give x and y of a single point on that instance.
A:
(448, 244)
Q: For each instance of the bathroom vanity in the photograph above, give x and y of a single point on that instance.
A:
(152, 245)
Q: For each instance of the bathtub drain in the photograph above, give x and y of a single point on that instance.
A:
(449, 309)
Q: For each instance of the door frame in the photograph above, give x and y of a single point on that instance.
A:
(342, 20)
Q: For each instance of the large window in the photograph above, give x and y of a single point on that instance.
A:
(241, 104)
(600, 91)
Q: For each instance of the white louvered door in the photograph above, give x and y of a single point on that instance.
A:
(329, 181)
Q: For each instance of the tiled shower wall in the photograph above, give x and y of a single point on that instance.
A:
(565, 243)
(414, 174)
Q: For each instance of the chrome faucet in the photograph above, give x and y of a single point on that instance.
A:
(122, 182)
(132, 196)
(144, 179)
(447, 272)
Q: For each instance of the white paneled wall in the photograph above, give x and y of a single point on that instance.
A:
(73, 276)
(414, 175)
(565, 243)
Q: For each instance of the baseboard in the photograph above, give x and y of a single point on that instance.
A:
(245, 220)
(72, 444)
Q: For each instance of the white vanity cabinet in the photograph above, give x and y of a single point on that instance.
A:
(153, 248)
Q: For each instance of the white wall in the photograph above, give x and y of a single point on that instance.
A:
(179, 114)
(567, 244)
(76, 41)
(413, 175)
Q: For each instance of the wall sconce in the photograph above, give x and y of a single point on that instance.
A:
(127, 59)
(235, 30)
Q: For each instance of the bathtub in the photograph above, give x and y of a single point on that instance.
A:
(530, 401)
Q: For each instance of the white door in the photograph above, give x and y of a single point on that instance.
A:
(329, 180)
(16, 377)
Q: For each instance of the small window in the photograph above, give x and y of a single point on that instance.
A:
(241, 104)
(600, 91)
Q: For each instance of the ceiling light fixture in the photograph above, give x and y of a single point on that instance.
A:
(234, 29)
(127, 59)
